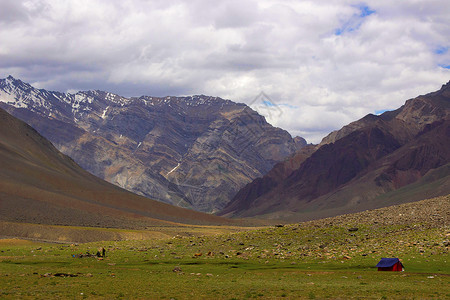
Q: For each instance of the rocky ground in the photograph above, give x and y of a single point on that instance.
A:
(419, 229)
(426, 213)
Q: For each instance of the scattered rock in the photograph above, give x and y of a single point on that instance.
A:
(65, 275)
(177, 269)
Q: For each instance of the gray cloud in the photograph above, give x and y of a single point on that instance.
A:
(326, 63)
(12, 11)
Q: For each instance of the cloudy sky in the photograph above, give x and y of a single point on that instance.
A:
(309, 66)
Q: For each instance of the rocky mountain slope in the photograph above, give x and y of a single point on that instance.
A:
(399, 156)
(194, 152)
(271, 180)
(38, 184)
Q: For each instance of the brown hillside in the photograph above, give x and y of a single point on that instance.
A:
(261, 186)
(38, 184)
(393, 158)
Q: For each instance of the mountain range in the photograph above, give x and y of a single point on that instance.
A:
(194, 152)
(379, 160)
(207, 154)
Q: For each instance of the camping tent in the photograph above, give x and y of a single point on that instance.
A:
(390, 264)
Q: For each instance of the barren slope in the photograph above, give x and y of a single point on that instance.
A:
(38, 184)
(393, 158)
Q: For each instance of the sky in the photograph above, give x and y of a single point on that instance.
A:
(310, 67)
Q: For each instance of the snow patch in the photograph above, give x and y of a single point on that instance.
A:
(104, 112)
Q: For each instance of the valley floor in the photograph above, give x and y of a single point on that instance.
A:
(333, 258)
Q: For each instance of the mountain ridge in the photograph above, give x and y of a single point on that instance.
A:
(194, 151)
(356, 165)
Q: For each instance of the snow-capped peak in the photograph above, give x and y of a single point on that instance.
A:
(16, 93)
(22, 95)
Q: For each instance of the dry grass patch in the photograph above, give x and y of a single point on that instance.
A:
(15, 242)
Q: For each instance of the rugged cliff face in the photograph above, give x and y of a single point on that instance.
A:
(38, 184)
(399, 156)
(258, 188)
(194, 152)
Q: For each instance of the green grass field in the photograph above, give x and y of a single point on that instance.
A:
(302, 261)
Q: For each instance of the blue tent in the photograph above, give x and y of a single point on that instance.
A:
(389, 264)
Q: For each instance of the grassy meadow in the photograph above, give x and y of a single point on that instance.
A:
(301, 261)
(332, 258)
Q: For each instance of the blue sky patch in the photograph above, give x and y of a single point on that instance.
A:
(339, 31)
(355, 20)
(445, 66)
(379, 112)
(441, 50)
(271, 104)
(366, 11)
(268, 103)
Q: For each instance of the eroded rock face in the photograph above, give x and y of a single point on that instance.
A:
(194, 152)
(40, 185)
(366, 164)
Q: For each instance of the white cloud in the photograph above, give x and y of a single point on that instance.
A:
(325, 63)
